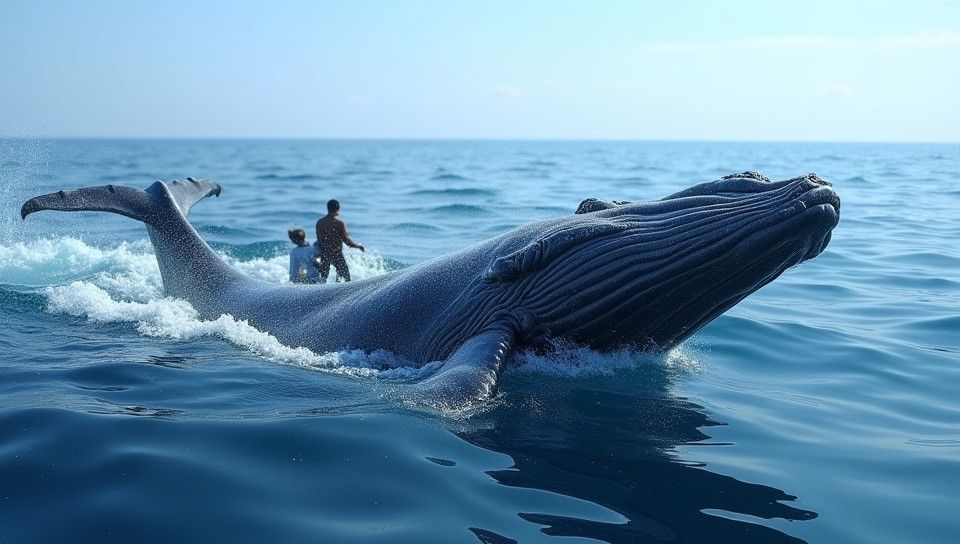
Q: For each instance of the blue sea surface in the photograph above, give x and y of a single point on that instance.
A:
(823, 408)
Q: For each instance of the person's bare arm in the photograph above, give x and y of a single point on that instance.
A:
(349, 241)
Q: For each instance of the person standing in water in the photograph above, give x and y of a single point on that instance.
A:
(303, 258)
(332, 233)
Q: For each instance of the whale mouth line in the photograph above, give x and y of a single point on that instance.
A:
(820, 195)
(805, 202)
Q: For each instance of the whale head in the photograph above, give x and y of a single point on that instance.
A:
(650, 274)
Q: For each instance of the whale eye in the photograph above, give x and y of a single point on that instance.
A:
(502, 270)
(595, 205)
(511, 267)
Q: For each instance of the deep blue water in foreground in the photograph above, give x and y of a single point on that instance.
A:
(823, 408)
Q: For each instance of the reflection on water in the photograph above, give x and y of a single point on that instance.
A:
(611, 443)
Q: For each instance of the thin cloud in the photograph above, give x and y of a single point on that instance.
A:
(938, 40)
(506, 91)
(839, 91)
(946, 39)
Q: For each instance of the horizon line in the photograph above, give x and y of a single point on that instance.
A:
(472, 139)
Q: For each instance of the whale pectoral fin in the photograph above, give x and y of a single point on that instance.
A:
(470, 375)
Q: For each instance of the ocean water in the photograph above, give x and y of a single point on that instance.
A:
(823, 408)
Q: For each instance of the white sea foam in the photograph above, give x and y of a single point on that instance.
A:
(123, 285)
(579, 361)
(177, 319)
(128, 270)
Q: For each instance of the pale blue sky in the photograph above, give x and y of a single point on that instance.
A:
(835, 70)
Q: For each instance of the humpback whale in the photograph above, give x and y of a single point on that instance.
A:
(642, 275)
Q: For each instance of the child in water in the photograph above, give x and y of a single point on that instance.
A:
(303, 258)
